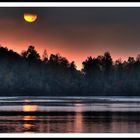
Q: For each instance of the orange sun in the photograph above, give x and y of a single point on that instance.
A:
(29, 17)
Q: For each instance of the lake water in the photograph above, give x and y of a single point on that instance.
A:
(69, 114)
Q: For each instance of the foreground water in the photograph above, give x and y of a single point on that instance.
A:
(69, 114)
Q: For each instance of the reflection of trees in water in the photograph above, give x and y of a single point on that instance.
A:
(53, 121)
(125, 122)
(96, 122)
(68, 121)
(113, 122)
(78, 122)
(50, 122)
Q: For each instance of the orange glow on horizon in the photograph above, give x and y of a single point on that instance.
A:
(70, 55)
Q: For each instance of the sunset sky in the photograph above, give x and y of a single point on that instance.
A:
(74, 33)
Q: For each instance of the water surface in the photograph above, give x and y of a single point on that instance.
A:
(69, 114)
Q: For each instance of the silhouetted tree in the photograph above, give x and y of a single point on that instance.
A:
(28, 74)
(31, 54)
(72, 66)
(45, 56)
(107, 63)
(90, 66)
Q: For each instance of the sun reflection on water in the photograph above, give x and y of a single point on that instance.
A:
(30, 108)
(29, 121)
(78, 120)
(29, 118)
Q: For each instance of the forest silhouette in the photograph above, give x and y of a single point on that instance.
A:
(27, 74)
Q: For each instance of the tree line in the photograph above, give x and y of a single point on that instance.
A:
(27, 74)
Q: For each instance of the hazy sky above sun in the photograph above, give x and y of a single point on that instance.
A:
(75, 33)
